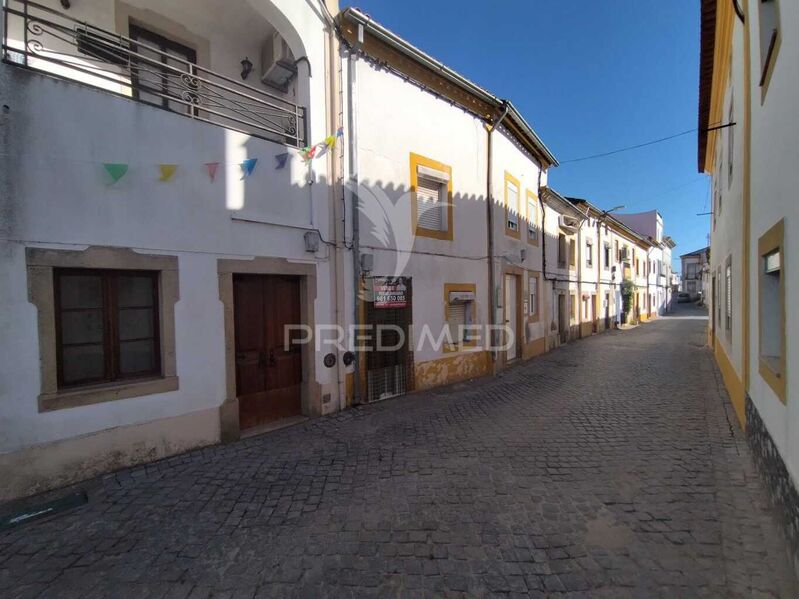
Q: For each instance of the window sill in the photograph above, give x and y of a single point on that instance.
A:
(433, 234)
(769, 369)
(86, 396)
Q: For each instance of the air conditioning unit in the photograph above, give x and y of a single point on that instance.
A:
(277, 63)
(568, 223)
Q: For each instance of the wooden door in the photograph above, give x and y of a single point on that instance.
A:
(268, 374)
(563, 318)
(511, 317)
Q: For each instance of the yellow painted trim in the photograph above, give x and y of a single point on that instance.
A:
(534, 317)
(449, 287)
(508, 231)
(536, 220)
(747, 202)
(417, 160)
(734, 385)
(771, 240)
(725, 20)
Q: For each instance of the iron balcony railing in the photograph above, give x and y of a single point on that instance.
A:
(41, 38)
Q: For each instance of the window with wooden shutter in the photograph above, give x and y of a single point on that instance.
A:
(512, 191)
(512, 206)
(728, 298)
(457, 320)
(460, 314)
(562, 250)
(532, 218)
(533, 281)
(572, 253)
(430, 200)
(106, 325)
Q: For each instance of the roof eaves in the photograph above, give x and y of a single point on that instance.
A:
(421, 57)
(706, 58)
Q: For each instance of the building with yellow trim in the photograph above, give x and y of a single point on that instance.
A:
(748, 135)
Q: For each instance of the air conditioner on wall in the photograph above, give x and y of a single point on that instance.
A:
(568, 223)
(277, 63)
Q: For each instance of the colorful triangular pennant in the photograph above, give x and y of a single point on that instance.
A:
(247, 167)
(167, 171)
(116, 170)
(281, 160)
(211, 168)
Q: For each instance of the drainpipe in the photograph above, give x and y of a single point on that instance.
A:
(356, 253)
(490, 220)
(335, 162)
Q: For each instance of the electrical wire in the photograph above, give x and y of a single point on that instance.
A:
(647, 143)
(628, 148)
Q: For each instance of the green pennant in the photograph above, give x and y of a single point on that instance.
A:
(116, 170)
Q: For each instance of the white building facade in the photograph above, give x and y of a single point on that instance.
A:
(747, 144)
(148, 234)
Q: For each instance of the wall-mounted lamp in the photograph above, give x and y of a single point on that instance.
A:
(246, 68)
(65, 4)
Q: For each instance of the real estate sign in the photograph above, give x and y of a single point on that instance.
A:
(390, 292)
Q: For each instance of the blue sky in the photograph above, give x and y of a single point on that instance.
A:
(589, 77)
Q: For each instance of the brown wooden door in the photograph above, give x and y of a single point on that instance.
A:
(268, 375)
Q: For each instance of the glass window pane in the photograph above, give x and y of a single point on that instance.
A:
(136, 323)
(85, 326)
(135, 291)
(82, 363)
(81, 291)
(136, 356)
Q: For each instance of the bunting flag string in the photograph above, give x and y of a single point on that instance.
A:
(167, 171)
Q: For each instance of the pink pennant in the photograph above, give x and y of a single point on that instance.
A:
(211, 167)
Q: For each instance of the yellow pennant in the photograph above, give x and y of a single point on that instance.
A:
(167, 170)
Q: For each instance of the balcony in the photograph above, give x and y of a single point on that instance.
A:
(147, 68)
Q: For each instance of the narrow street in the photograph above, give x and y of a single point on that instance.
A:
(611, 467)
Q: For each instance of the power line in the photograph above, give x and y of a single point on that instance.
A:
(628, 148)
(646, 143)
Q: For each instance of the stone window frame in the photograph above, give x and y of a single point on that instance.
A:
(41, 293)
(775, 376)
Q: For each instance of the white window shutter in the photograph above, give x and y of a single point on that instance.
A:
(457, 319)
(513, 206)
(430, 208)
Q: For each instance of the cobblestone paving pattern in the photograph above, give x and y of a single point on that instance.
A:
(612, 467)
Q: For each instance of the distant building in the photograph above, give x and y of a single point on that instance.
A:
(694, 269)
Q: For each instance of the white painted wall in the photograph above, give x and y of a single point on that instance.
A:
(774, 181)
(55, 136)
(509, 156)
(394, 119)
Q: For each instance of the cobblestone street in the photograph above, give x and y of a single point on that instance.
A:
(610, 467)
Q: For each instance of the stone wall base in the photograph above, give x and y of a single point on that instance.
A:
(52, 465)
(780, 487)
